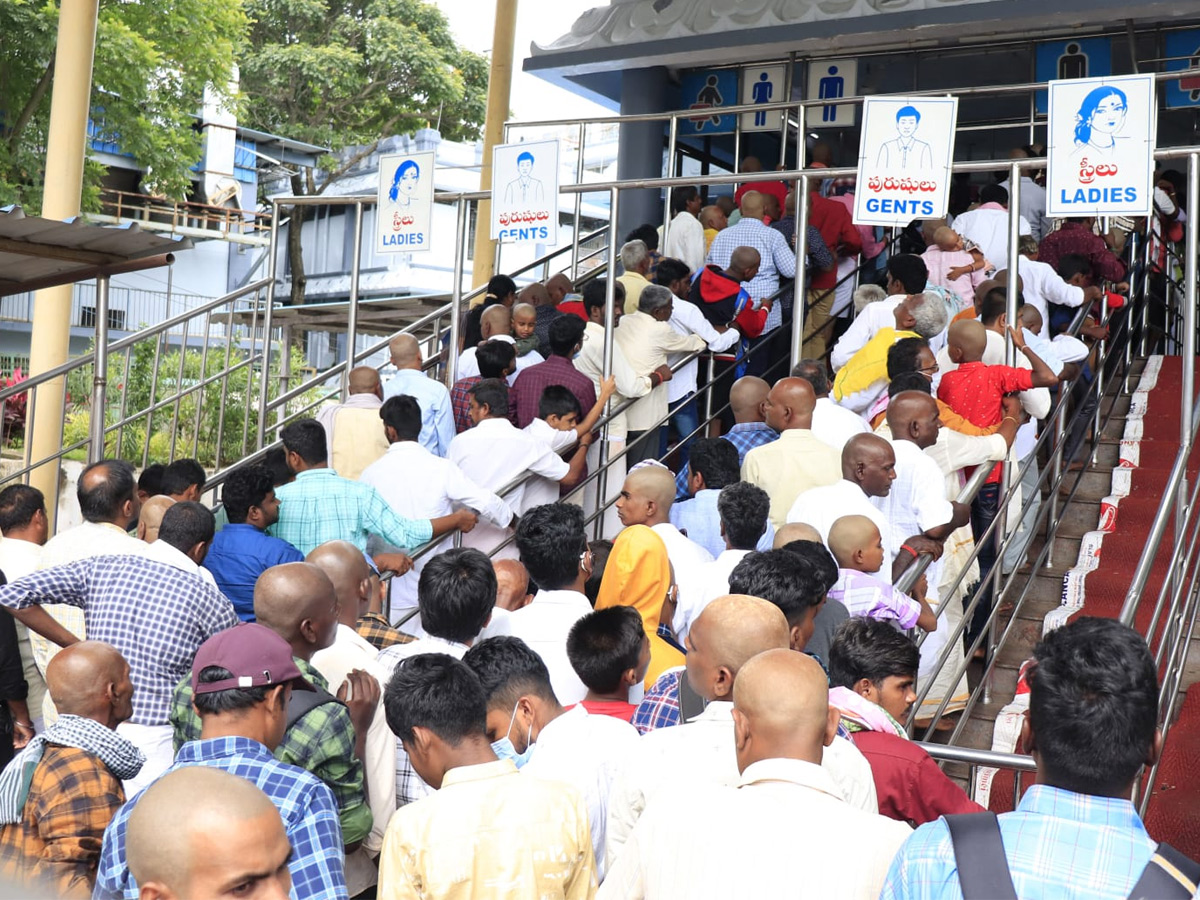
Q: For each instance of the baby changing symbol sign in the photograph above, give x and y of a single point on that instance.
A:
(706, 92)
(762, 85)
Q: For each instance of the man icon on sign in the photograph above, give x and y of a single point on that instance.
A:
(831, 87)
(524, 188)
(905, 151)
(1073, 63)
(761, 93)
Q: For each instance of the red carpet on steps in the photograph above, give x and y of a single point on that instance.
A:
(1174, 812)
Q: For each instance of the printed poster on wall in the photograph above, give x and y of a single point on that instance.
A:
(904, 158)
(525, 193)
(405, 212)
(1101, 146)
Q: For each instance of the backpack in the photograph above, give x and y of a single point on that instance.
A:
(983, 870)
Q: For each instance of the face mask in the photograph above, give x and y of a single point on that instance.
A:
(504, 748)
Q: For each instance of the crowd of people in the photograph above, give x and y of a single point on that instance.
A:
(421, 650)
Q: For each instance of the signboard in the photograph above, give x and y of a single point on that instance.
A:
(1101, 147)
(904, 158)
(525, 193)
(1060, 60)
(829, 79)
(706, 92)
(1184, 46)
(405, 212)
(763, 84)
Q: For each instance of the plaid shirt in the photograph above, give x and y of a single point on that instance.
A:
(375, 629)
(305, 805)
(1060, 846)
(748, 435)
(460, 401)
(556, 370)
(777, 259)
(322, 506)
(321, 742)
(1075, 237)
(155, 614)
(56, 845)
(660, 707)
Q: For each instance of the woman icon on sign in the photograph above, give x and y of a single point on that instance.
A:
(1100, 117)
(404, 183)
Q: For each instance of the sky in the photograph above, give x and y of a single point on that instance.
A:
(540, 20)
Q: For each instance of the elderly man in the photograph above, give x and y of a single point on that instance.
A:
(59, 794)
(635, 259)
(437, 421)
(353, 436)
(799, 460)
(907, 275)
(646, 337)
(790, 815)
(198, 830)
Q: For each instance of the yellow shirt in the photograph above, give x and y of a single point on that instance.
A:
(634, 283)
(788, 467)
(490, 833)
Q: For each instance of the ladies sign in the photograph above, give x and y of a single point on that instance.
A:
(1101, 153)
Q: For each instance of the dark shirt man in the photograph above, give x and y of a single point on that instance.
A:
(565, 339)
(242, 550)
(1076, 236)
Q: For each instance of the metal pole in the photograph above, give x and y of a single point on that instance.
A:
(264, 376)
(610, 299)
(100, 372)
(66, 147)
(783, 117)
(799, 297)
(578, 202)
(672, 139)
(1189, 307)
(352, 317)
(460, 250)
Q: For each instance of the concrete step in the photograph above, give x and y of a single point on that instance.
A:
(1079, 517)
(1095, 483)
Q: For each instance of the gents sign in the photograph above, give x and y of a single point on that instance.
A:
(1101, 154)
(904, 159)
(525, 193)
(405, 210)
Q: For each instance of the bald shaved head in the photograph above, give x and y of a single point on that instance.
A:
(752, 204)
(744, 263)
(781, 709)
(729, 632)
(913, 416)
(870, 462)
(966, 341)
(295, 600)
(790, 404)
(647, 496)
(795, 531)
(151, 517)
(198, 832)
(406, 352)
(535, 294)
(746, 398)
(91, 679)
(364, 380)
(512, 584)
(851, 533)
(347, 570)
(496, 319)
(558, 287)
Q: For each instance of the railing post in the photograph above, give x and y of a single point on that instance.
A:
(610, 299)
(99, 373)
(672, 137)
(352, 318)
(265, 376)
(1189, 306)
(456, 293)
(578, 202)
(799, 295)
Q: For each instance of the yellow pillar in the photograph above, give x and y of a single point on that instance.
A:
(504, 35)
(66, 146)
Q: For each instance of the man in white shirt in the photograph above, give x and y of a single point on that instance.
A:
(987, 225)
(712, 466)
(418, 485)
(907, 274)
(496, 325)
(495, 453)
(553, 547)
(790, 823)
(684, 234)
(831, 423)
(646, 338)
(646, 499)
(526, 723)
(437, 418)
(678, 760)
(351, 577)
(24, 526)
(1041, 285)
(457, 593)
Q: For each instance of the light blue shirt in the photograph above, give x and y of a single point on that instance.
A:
(1060, 846)
(437, 420)
(699, 519)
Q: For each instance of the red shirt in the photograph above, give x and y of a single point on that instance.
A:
(573, 308)
(775, 188)
(974, 390)
(614, 708)
(832, 219)
(909, 784)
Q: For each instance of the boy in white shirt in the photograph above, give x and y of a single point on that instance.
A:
(558, 422)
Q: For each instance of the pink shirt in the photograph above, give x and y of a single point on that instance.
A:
(940, 262)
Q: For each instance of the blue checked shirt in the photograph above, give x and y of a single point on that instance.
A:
(748, 435)
(1060, 846)
(155, 614)
(777, 258)
(322, 506)
(306, 806)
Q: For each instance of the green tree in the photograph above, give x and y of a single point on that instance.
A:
(152, 63)
(347, 73)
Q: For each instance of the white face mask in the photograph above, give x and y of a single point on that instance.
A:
(504, 748)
